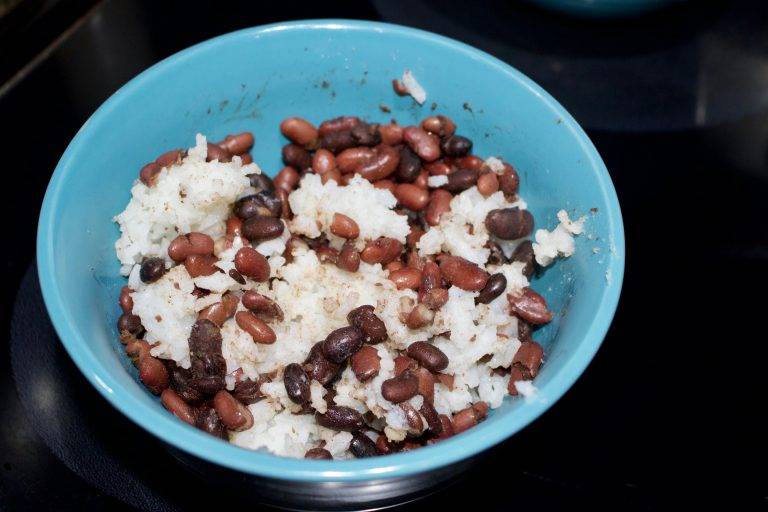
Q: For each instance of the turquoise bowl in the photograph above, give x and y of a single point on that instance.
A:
(604, 8)
(250, 80)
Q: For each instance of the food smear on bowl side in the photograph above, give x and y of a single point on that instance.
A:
(372, 298)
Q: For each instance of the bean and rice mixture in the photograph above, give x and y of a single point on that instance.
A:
(372, 298)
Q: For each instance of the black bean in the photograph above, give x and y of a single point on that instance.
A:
(496, 256)
(495, 286)
(409, 167)
(339, 417)
(261, 182)
(342, 343)
(131, 323)
(249, 391)
(433, 419)
(401, 388)
(259, 228)
(509, 223)
(208, 364)
(366, 134)
(319, 368)
(297, 157)
(263, 204)
(338, 141)
(207, 420)
(296, 383)
(461, 180)
(428, 356)
(456, 146)
(373, 328)
(524, 254)
(362, 446)
(152, 269)
(181, 382)
(524, 331)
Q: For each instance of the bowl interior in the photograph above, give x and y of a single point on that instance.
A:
(252, 79)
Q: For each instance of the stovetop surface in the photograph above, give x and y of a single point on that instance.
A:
(670, 411)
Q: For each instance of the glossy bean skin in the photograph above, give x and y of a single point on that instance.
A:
(263, 203)
(234, 415)
(469, 417)
(296, 383)
(323, 161)
(529, 356)
(439, 203)
(400, 388)
(342, 343)
(372, 164)
(373, 328)
(530, 306)
(524, 254)
(257, 229)
(516, 374)
(125, 300)
(344, 226)
(348, 258)
(382, 250)
(461, 180)
(463, 273)
(177, 406)
(366, 363)
(201, 265)
(262, 306)
(298, 130)
(420, 316)
(409, 166)
(152, 269)
(251, 263)
(496, 256)
(338, 124)
(339, 417)
(318, 367)
(412, 197)
(286, 179)
(318, 454)
(191, 243)
(435, 299)
(424, 144)
(403, 363)
(249, 391)
(509, 181)
(218, 153)
(170, 158)
(296, 157)
(406, 278)
(428, 356)
(362, 446)
(470, 162)
(256, 327)
(237, 144)
(434, 425)
(426, 384)
(494, 287)
(487, 184)
(131, 323)
(207, 420)
(509, 223)
(440, 125)
(415, 423)
(456, 145)
(386, 185)
(153, 374)
(148, 173)
(220, 312)
(391, 134)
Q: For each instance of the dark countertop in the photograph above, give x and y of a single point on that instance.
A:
(667, 414)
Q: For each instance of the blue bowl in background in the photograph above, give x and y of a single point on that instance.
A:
(251, 80)
(604, 8)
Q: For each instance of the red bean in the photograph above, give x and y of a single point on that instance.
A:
(391, 134)
(233, 414)
(201, 265)
(366, 363)
(440, 125)
(382, 250)
(470, 162)
(126, 301)
(434, 425)
(509, 223)
(403, 363)
(262, 306)
(344, 226)
(349, 258)
(422, 143)
(256, 327)
(463, 273)
(439, 203)
(153, 374)
(406, 278)
(409, 166)
(412, 197)
(529, 356)
(338, 124)
(216, 152)
(169, 158)
(415, 423)
(461, 180)
(287, 179)
(509, 181)
(323, 161)
(298, 131)
(296, 157)
(237, 144)
(530, 306)
(469, 417)
(487, 184)
(148, 173)
(250, 263)
(386, 185)
(435, 299)
(517, 374)
(191, 243)
(234, 226)
(426, 384)
(175, 404)
(438, 168)
(318, 454)
(220, 312)
(258, 229)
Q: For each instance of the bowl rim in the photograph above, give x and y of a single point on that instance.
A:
(184, 437)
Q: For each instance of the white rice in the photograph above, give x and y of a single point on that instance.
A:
(315, 298)
(413, 87)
